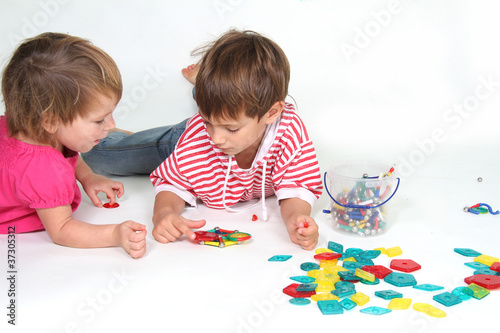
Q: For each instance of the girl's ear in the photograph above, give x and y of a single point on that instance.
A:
(49, 123)
(274, 112)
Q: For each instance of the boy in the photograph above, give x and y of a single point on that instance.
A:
(244, 143)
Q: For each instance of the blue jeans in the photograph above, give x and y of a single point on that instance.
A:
(140, 153)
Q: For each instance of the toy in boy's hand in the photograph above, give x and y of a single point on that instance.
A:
(109, 205)
(220, 237)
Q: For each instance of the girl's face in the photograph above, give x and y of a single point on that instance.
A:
(85, 132)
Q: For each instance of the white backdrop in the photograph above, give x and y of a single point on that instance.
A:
(415, 83)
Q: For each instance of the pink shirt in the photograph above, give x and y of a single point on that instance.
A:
(33, 177)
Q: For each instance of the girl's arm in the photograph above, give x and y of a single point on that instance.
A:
(64, 230)
(93, 184)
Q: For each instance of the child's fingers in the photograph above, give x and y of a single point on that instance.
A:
(186, 226)
(95, 199)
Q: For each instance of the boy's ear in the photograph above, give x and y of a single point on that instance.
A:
(274, 112)
(49, 123)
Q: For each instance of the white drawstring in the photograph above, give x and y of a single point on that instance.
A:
(262, 199)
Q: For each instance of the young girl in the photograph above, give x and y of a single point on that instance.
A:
(60, 92)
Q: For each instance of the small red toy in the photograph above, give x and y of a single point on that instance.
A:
(306, 225)
(254, 217)
(108, 205)
(405, 265)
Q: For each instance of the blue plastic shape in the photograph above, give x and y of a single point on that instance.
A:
(348, 276)
(279, 258)
(343, 289)
(447, 299)
(303, 279)
(300, 301)
(371, 254)
(309, 266)
(467, 252)
(336, 247)
(464, 293)
(377, 281)
(388, 294)
(486, 271)
(401, 279)
(428, 287)
(375, 310)
(330, 307)
(476, 265)
(348, 304)
(353, 252)
(365, 261)
(307, 286)
(344, 284)
(352, 265)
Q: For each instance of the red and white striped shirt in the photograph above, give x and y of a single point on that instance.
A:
(198, 169)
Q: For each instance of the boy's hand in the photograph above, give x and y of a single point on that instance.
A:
(93, 184)
(303, 231)
(169, 227)
(133, 238)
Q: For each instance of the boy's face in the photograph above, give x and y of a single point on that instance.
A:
(243, 135)
(85, 132)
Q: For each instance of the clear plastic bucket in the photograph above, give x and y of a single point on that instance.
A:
(360, 193)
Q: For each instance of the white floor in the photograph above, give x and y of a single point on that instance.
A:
(413, 83)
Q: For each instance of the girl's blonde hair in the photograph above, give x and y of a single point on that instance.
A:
(55, 77)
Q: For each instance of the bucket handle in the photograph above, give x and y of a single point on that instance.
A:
(360, 206)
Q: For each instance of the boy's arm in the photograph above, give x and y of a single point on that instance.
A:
(93, 184)
(168, 222)
(64, 230)
(301, 227)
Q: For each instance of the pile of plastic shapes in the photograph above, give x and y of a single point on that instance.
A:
(333, 286)
(221, 238)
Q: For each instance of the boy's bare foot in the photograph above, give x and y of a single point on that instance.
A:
(190, 72)
(120, 130)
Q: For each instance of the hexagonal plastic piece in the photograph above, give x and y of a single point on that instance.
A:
(378, 270)
(485, 281)
(330, 307)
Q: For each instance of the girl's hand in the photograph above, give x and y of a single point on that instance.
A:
(303, 231)
(93, 184)
(132, 237)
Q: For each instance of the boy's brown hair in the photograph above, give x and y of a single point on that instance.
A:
(241, 71)
(55, 77)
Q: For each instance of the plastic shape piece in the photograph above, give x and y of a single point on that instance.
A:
(429, 310)
(327, 256)
(306, 287)
(348, 276)
(378, 270)
(371, 254)
(464, 293)
(399, 303)
(324, 297)
(479, 292)
(467, 252)
(495, 267)
(405, 265)
(485, 259)
(291, 290)
(348, 304)
(309, 266)
(486, 271)
(475, 265)
(360, 298)
(394, 251)
(323, 250)
(375, 310)
(300, 301)
(428, 287)
(485, 281)
(388, 294)
(303, 279)
(238, 236)
(280, 257)
(330, 307)
(108, 205)
(363, 275)
(336, 247)
(401, 279)
(447, 299)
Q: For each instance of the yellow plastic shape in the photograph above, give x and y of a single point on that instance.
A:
(322, 250)
(226, 243)
(479, 292)
(487, 260)
(364, 275)
(394, 251)
(382, 250)
(399, 303)
(315, 273)
(350, 259)
(324, 297)
(328, 263)
(360, 298)
(335, 269)
(324, 286)
(429, 310)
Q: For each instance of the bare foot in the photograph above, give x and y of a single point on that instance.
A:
(120, 130)
(190, 72)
